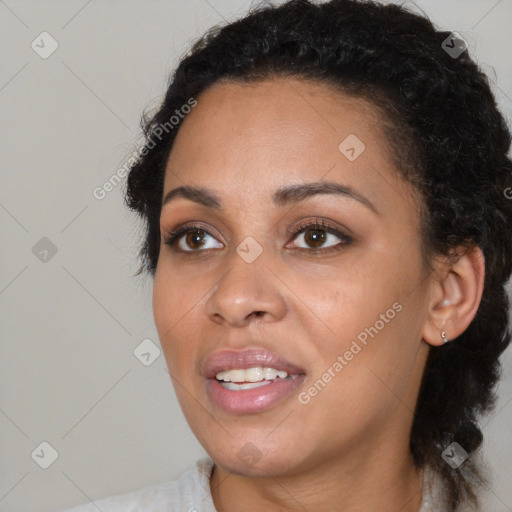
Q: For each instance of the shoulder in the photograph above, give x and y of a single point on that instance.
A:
(190, 493)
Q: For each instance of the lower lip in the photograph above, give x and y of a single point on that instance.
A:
(252, 400)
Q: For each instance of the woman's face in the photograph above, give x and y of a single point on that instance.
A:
(340, 304)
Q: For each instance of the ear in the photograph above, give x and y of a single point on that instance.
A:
(457, 288)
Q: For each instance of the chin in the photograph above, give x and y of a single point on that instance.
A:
(257, 457)
(243, 465)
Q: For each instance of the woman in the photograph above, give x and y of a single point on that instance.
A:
(328, 229)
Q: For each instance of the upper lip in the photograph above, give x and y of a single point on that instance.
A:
(242, 359)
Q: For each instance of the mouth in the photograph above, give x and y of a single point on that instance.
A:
(249, 381)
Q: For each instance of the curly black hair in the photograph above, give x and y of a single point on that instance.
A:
(449, 141)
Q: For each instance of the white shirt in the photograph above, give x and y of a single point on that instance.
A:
(191, 493)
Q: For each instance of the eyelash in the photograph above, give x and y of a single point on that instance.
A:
(316, 225)
(321, 225)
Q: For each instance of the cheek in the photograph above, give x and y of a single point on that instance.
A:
(362, 375)
(358, 324)
(165, 303)
(347, 299)
(176, 294)
(173, 305)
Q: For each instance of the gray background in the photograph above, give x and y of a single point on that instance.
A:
(70, 324)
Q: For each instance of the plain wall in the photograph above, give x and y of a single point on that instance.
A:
(70, 324)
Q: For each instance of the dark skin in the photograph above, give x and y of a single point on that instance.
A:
(349, 445)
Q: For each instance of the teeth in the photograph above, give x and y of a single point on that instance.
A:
(252, 375)
(249, 385)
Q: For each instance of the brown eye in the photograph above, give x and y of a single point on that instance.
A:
(320, 236)
(315, 237)
(191, 239)
(195, 239)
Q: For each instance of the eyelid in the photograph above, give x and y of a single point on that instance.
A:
(321, 225)
(172, 236)
(317, 222)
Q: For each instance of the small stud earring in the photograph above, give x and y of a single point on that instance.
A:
(445, 339)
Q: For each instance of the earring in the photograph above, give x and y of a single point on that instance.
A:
(445, 339)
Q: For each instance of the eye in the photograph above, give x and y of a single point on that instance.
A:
(196, 239)
(319, 235)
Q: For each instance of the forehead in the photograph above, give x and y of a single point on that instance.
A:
(259, 136)
(301, 114)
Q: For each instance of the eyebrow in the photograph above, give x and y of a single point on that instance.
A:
(290, 194)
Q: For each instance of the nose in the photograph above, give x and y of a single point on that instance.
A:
(247, 291)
